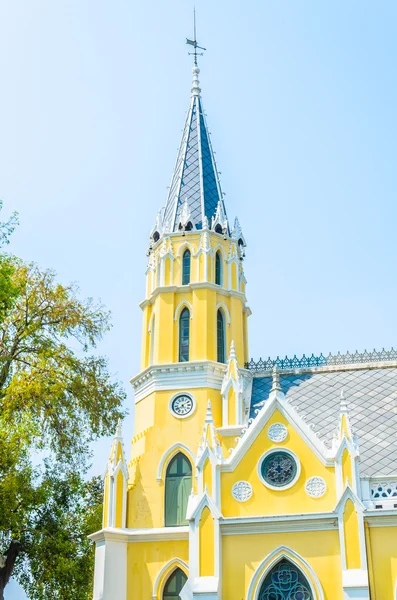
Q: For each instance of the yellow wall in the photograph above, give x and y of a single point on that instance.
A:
(383, 543)
(145, 561)
(242, 555)
(119, 483)
(161, 430)
(265, 501)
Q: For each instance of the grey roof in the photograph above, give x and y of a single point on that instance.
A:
(371, 396)
(195, 175)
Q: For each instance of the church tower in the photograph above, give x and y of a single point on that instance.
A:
(194, 319)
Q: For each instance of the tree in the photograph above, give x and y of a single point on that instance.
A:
(55, 398)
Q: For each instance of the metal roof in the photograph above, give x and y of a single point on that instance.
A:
(371, 396)
(195, 179)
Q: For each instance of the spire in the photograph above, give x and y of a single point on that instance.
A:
(195, 175)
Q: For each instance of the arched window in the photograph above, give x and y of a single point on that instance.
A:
(220, 336)
(184, 332)
(218, 268)
(186, 267)
(178, 485)
(174, 585)
(285, 582)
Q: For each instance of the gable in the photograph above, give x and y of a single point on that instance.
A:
(266, 501)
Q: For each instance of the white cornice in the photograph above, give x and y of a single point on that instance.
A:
(381, 518)
(230, 430)
(159, 534)
(279, 523)
(176, 376)
(195, 286)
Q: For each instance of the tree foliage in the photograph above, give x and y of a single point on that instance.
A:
(56, 396)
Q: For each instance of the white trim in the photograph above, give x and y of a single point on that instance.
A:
(196, 286)
(178, 562)
(169, 455)
(279, 523)
(276, 451)
(178, 376)
(155, 534)
(189, 414)
(225, 310)
(178, 309)
(271, 560)
(185, 244)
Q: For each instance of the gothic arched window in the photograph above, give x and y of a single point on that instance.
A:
(220, 336)
(178, 485)
(186, 267)
(218, 268)
(285, 582)
(174, 585)
(184, 334)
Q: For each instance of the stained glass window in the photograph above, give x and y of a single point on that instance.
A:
(218, 268)
(184, 332)
(285, 582)
(186, 268)
(220, 331)
(178, 485)
(279, 469)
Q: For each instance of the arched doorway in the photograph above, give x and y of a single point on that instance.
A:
(285, 582)
(174, 585)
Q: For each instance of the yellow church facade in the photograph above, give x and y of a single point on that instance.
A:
(274, 480)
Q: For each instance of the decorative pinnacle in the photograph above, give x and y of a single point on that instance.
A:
(208, 416)
(232, 354)
(343, 404)
(276, 380)
(119, 430)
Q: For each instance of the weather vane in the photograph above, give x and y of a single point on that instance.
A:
(194, 43)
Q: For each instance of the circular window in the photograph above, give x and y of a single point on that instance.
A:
(279, 469)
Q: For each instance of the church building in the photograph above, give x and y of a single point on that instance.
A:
(243, 480)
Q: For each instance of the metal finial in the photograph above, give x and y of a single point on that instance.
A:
(196, 84)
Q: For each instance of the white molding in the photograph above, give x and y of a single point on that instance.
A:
(381, 518)
(178, 376)
(279, 523)
(225, 309)
(185, 244)
(271, 560)
(230, 430)
(181, 305)
(195, 286)
(169, 455)
(174, 562)
(189, 414)
(277, 451)
(155, 534)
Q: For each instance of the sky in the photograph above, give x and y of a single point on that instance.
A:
(301, 103)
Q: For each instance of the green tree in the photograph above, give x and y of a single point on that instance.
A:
(56, 396)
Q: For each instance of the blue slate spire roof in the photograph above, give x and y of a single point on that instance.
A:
(195, 191)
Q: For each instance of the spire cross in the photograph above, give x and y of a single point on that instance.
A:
(194, 43)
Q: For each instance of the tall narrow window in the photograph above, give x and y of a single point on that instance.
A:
(186, 267)
(220, 335)
(218, 268)
(285, 582)
(184, 332)
(178, 485)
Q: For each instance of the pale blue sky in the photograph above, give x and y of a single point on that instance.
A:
(301, 100)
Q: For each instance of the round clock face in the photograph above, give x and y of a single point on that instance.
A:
(182, 405)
